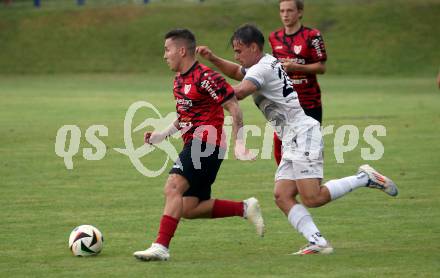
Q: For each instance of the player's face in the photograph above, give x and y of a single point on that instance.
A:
(244, 54)
(172, 54)
(289, 13)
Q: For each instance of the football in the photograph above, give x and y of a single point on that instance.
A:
(85, 240)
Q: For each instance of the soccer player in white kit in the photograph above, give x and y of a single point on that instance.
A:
(301, 169)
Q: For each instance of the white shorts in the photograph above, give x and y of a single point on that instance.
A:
(302, 155)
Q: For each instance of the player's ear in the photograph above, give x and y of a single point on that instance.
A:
(183, 51)
(254, 47)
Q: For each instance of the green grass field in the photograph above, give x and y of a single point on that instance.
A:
(373, 235)
(375, 37)
(86, 65)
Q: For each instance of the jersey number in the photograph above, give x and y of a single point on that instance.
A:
(288, 86)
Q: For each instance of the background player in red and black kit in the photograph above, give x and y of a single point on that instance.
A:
(302, 51)
(200, 94)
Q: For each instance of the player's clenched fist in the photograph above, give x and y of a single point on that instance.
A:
(204, 52)
(289, 65)
(153, 137)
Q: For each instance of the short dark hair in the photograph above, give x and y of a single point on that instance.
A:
(248, 34)
(185, 35)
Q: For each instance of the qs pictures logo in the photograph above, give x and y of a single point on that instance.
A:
(67, 144)
(93, 133)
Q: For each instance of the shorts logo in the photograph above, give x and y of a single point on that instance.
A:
(187, 88)
(297, 49)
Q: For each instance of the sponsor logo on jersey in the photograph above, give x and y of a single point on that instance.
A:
(299, 81)
(317, 47)
(297, 49)
(207, 86)
(299, 61)
(278, 47)
(185, 102)
(187, 88)
(185, 125)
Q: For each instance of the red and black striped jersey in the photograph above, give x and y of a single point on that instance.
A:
(199, 95)
(306, 46)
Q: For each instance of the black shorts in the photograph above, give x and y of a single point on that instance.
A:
(198, 168)
(315, 113)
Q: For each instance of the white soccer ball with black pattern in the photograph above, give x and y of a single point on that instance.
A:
(85, 240)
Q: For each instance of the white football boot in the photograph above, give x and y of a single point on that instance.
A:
(252, 212)
(312, 249)
(157, 252)
(379, 181)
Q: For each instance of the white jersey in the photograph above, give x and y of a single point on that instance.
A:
(300, 134)
(277, 98)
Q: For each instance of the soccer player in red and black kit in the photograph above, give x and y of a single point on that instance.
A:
(302, 52)
(201, 94)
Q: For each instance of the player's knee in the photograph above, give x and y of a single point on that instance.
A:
(171, 190)
(175, 186)
(279, 198)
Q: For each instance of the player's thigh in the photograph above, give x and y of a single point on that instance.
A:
(176, 184)
(285, 188)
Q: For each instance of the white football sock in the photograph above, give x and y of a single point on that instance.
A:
(340, 187)
(302, 221)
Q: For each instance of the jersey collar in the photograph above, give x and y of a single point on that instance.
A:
(292, 35)
(190, 69)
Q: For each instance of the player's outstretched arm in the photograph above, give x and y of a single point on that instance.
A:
(156, 137)
(231, 69)
(240, 150)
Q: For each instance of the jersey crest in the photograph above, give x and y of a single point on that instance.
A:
(187, 88)
(297, 49)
